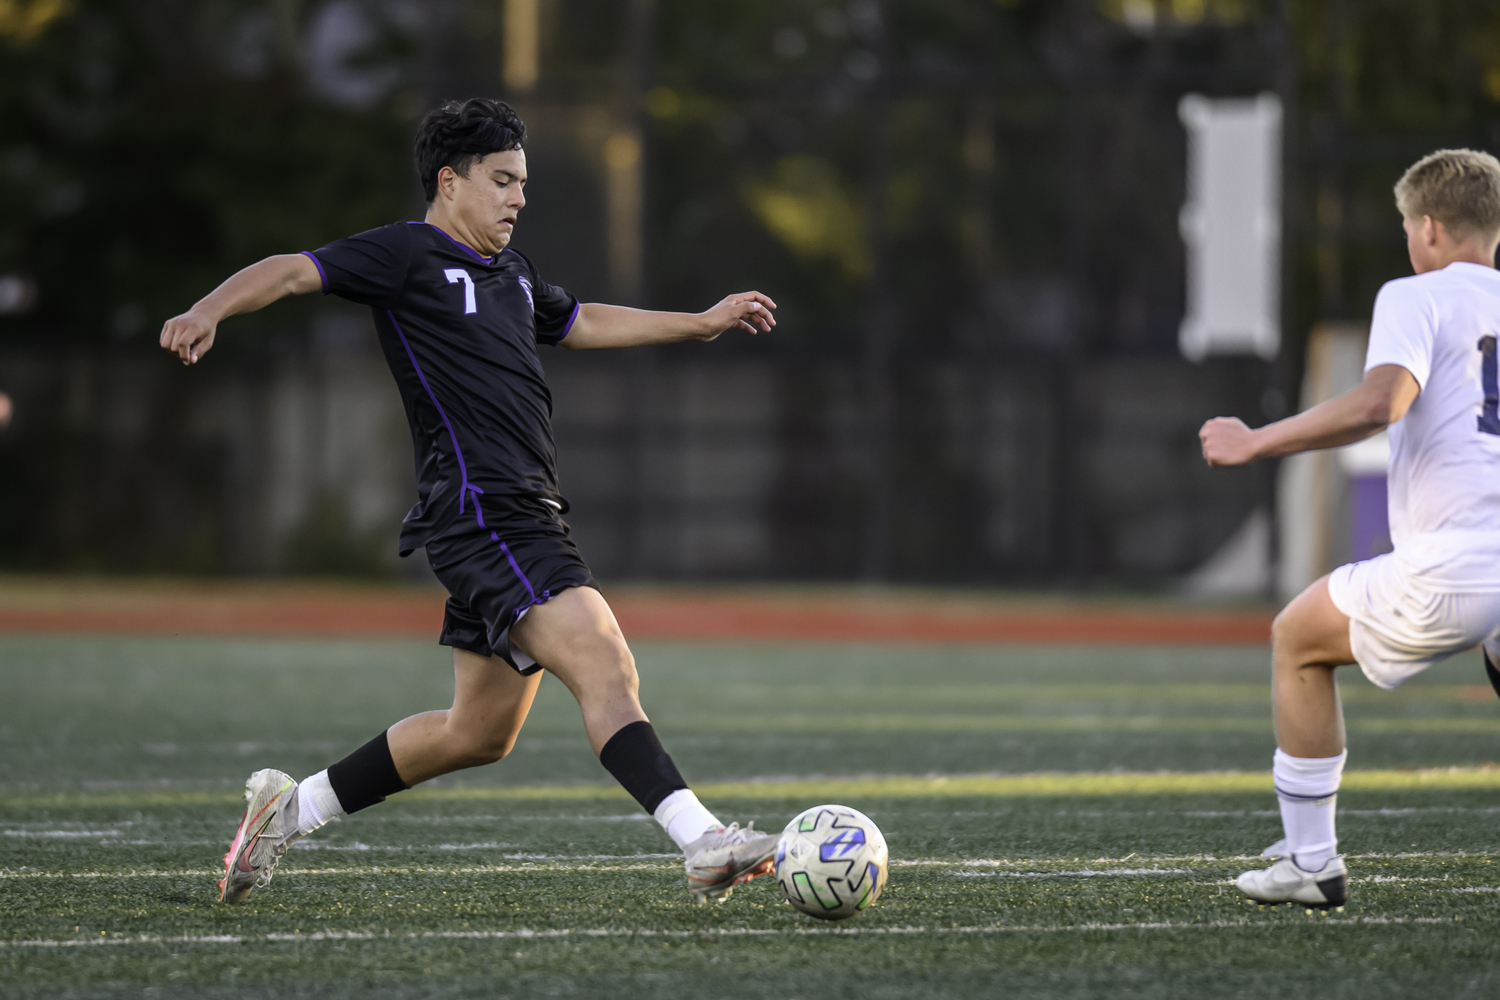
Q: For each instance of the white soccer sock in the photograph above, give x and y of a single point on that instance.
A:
(316, 803)
(684, 818)
(1308, 789)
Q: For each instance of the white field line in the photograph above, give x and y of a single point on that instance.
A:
(105, 840)
(1078, 873)
(1111, 873)
(526, 935)
(1245, 813)
(60, 833)
(669, 862)
(62, 829)
(359, 847)
(1158, 858)
(361, 872)
(487, 846)
(544, 863)
(66, 828)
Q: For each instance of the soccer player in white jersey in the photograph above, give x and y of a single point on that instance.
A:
(1430, 376)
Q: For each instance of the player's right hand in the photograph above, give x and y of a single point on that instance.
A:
(188, 336)
(1227, 441)
(748, 311)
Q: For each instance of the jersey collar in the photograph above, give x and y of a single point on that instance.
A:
(464, 247)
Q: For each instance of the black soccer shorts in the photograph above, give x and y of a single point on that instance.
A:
(521, 556)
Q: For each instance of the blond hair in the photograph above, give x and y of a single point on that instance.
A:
(1458, 187)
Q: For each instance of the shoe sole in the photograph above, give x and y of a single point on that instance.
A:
(1336, 889)
(721, 891)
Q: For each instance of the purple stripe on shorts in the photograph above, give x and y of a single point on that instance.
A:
(517, 569)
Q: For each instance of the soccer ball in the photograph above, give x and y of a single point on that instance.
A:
(831, 862)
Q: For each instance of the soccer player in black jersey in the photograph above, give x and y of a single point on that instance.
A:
(460, 314)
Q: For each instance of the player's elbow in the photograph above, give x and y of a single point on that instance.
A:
(1380, 412)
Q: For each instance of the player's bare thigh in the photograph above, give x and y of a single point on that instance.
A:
(490, 700)
(576, 638)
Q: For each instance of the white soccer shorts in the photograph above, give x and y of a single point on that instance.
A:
(1398, 628)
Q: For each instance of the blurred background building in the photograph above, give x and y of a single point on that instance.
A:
(988, 224)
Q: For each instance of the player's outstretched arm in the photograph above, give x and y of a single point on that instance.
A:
(601, 326)
(190, 335)
(1379, 401)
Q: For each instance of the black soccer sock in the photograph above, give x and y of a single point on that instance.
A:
(635, 757)
(366, 776)
(1489, 668)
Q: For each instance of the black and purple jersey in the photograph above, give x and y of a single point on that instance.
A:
(460, 333)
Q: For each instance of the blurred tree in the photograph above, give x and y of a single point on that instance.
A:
(150, 148)
(154, 147)
(967, 209)
(23, 20)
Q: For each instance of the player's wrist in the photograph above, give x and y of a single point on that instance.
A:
(1263, 443)
(702, 327)
(205, 313)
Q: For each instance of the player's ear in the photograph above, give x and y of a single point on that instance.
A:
(447, 180)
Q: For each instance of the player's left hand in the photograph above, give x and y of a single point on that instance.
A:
(189, 336)
(748, 311)
(1227, 441)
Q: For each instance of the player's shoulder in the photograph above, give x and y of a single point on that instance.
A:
(391, 230)
(513, 256)
(1409, 286)
(394, 234)
(1413, 292)
(1458, 276)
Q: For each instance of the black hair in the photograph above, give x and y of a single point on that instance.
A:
(461, 132)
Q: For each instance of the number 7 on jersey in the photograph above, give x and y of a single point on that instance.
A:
(454, 276)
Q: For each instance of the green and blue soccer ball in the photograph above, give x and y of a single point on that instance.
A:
(831, 862)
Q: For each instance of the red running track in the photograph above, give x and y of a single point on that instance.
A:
(761, 613)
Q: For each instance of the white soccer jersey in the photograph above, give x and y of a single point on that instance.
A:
(1444, 476)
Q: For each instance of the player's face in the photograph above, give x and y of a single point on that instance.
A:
(491, 197)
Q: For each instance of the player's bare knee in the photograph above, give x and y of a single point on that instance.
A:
(477, 746)
(620, 674)
(498, 747)
(1281, 628)
(482, 749)
(1288, 640)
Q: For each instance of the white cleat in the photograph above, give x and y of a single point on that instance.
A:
(722, 859)
(1285, 882)
(267, 829)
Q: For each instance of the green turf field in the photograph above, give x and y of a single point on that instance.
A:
(1108, 875)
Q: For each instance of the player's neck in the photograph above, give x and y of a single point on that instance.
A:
(1474, 255)
(456, 230)
(1466, 252)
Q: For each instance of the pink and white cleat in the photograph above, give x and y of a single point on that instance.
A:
(267, 829)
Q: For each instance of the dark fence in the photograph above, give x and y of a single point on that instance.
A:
(968, 212)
